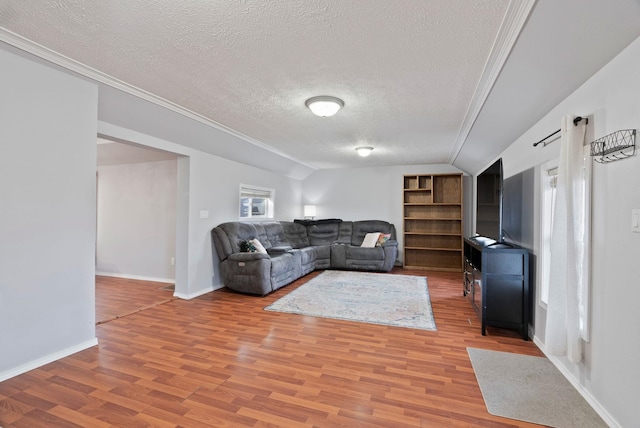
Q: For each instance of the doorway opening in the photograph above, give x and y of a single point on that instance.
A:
(136, 227)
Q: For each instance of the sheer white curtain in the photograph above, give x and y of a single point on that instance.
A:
(567, 309)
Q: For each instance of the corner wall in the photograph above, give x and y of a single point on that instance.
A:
(370, 193)
(47, 214)
(609, 376)
(208, 183)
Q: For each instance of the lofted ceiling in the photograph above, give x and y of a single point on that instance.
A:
(423, 81)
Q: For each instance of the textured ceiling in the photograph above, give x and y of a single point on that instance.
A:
(424, 81)
(406, 70)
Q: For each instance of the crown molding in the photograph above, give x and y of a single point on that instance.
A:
(512, 24)
(70, 64)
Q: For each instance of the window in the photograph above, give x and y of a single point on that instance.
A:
(549, 173)
(256, 202)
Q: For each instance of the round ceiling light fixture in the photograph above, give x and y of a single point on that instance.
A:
(324, 105)
(364, 151)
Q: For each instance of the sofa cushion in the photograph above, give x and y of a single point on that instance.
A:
(365, 264)
(361, 228)
(296, 234)
(384, 237)
(258, 246)
(323, 234)
(323, 252)
(345, 231)
(261, 234)
(339, 256)
(283, 270)
(275, 234)
(359, 253)
(370, 240)
(308, 255)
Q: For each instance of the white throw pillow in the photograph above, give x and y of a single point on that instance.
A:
(370, 240)
(259, 246)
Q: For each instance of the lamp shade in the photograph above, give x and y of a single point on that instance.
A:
(309, 210)
(324, 106)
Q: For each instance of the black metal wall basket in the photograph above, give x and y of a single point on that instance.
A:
(615, 146)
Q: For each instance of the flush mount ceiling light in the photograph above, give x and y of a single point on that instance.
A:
(324, 106)
(364, 151)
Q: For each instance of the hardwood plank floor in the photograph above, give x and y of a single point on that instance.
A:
(119, 297)
(221, 360)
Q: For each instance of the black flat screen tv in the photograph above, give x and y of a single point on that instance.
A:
(489, 202)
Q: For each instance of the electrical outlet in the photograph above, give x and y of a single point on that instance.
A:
(635, 220)
(173, 261)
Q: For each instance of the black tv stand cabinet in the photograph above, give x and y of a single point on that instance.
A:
(496, 281)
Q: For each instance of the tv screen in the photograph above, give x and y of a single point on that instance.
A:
(517, 208)
(489, 202)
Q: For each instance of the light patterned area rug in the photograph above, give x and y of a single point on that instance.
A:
(530, 389)
(377, 298)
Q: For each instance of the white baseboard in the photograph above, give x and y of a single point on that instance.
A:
(47, 359)
(600, 410)
(197, 293)
(138, 277)
(164, 280)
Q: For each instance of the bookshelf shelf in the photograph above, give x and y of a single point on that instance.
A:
(433, 226)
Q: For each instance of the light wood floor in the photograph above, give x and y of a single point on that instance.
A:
(221, 360)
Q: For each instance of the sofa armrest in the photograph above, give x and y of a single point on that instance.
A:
(247, 257)
(390, 254)
(276, 251)
(390, 243)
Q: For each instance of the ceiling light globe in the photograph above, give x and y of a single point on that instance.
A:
(324, 106)
(364, 151)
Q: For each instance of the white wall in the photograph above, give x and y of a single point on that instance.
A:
(47, 214)
(610, 374)
(367, 193)
(208, 183)
(137, 220)
(48, 127)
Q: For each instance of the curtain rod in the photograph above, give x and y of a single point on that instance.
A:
(575, 122)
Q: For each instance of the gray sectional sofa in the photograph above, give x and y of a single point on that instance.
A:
(293, 249)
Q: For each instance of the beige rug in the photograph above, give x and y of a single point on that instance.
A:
(377, 298)
(530, 389)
